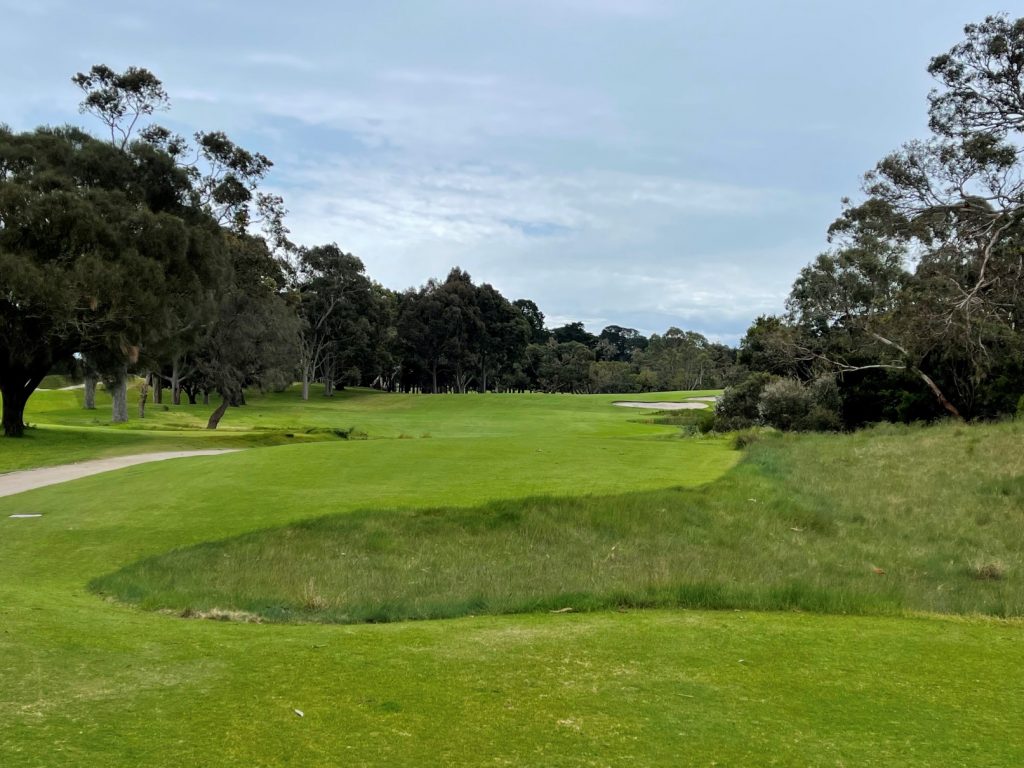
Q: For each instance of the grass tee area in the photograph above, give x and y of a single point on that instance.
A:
(865, 579)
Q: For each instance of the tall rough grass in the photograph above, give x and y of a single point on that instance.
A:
(884, 521)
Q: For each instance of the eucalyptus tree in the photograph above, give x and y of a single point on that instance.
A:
(534, 319)
(621, 343)
(336, 302)
(505, 333)
(927, 275)
(253, 339)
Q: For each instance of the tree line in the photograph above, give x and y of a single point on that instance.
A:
(143, 254)
(150, 254)
(917, 310)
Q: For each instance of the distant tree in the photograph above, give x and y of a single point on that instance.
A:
(561, 367)
(505, 333)
(574, 332)
(535, 319)
(608, 376)
(421, 331)
(462, 326)
(623, 342)
(120, 99)
(335, 297)
(685, 360)
(254, 339)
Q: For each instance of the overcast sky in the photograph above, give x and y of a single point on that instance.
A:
(647, 163)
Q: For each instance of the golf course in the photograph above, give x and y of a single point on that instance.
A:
(504, 579)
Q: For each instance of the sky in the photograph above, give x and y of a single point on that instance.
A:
(645, 163)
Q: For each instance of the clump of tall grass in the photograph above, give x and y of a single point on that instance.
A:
(877, 522)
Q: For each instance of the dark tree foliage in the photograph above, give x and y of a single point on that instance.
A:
(93, 241)
(254, 337)
(574, 332)
(622, 343)
(337, 311)
(922, 295)
(535, 319)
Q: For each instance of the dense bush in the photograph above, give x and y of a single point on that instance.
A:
(737, 407)
(785, 404)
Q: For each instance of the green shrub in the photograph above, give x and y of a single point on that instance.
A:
(820, 419)
(737, 407)
(785, 404)
(707, 421)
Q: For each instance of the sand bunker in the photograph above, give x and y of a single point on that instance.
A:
(663, 406)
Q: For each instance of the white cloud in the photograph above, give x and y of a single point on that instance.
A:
(280, 60)
(592, 245)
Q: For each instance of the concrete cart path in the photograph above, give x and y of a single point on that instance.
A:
(29, 479)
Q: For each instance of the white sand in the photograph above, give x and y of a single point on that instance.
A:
(29, 479)
(663, 406)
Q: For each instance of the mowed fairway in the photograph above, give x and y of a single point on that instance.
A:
(89, 681)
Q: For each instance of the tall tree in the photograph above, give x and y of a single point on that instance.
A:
(335, 300)
(505, 333)
(951, 210)
(254, 338)
(534, 318)
(121, 99)
(92, 240)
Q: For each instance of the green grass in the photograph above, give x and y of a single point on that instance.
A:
(778, 533)
(62, 431)
(84, 681)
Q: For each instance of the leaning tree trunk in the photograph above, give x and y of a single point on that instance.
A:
(218, 414)
(15, 395)
(939, 395)
(118, 387)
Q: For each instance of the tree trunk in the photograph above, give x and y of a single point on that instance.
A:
(119, 396)
(14, 412)
(305, 383)
(206, 398)
(950, 408)
(328, 387)
(217, 415)
(15, 395)
(176, 383)
(433, 374)
(90, 392)
(158, 389)
(144, 395)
